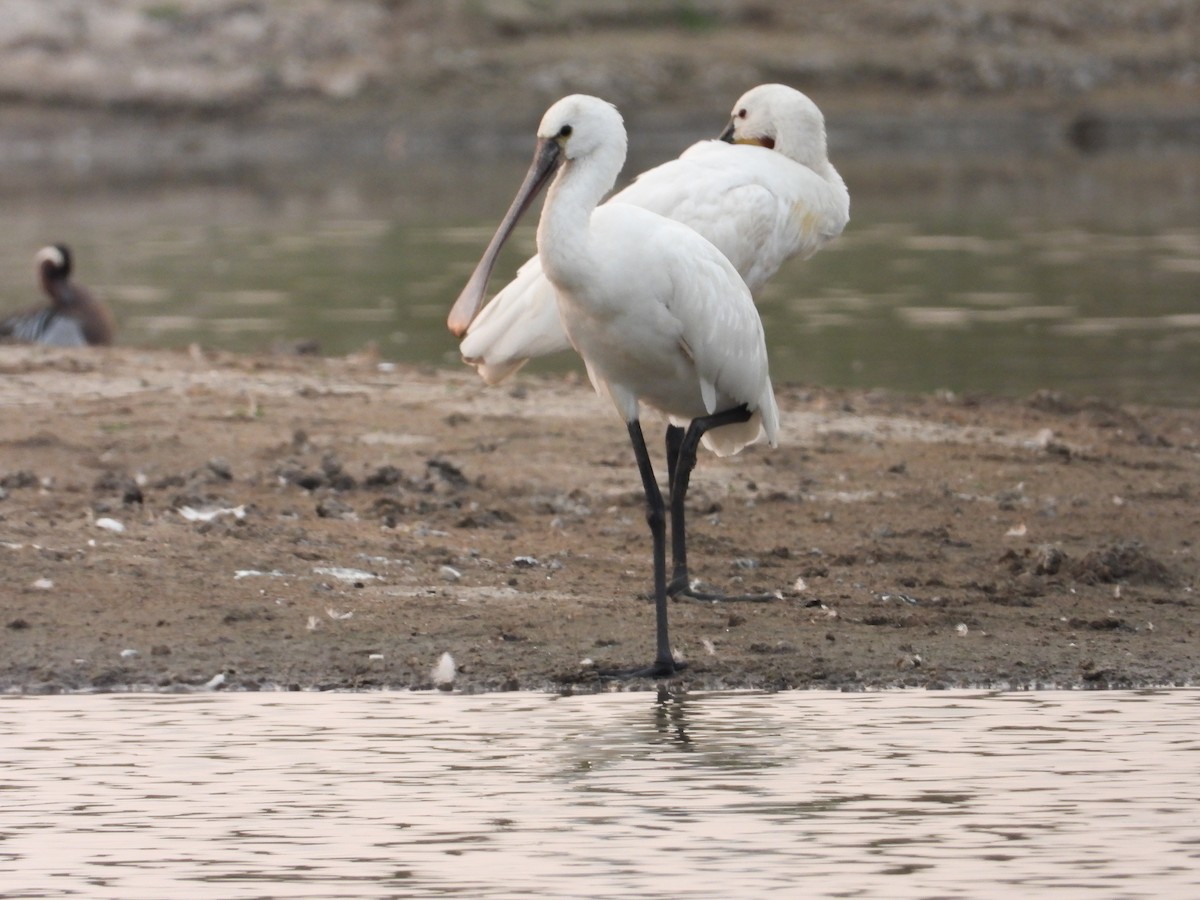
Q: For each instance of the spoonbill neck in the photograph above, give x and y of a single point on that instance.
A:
(563, 230)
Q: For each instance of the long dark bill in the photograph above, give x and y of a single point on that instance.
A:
(546, 160)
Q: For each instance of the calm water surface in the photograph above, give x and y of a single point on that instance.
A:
(891, 795)
(1004, 274)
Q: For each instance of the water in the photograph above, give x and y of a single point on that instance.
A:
(1004, 274)
(890, 795)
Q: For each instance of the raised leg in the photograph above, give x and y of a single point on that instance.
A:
(674, 442)
(681, 459)
(679, 572)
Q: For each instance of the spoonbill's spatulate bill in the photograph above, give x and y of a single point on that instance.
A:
(762, 194)
(658, 314)
(74, 318)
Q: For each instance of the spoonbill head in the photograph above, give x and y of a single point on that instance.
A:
(780, 118)
(658, 314)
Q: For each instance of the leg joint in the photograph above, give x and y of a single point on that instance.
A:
(655, 516)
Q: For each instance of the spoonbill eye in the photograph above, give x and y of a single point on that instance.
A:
(565, 131)
(741, 113)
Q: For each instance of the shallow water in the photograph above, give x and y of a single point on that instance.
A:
(890, 795)
(1006, 274)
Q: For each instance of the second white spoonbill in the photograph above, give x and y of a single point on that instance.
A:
(658, 314)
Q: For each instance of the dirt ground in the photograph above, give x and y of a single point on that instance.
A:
(367, 519)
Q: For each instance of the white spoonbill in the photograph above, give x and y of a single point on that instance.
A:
(658, 314)
(760, 205)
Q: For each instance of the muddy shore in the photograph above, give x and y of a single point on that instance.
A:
(173, 520)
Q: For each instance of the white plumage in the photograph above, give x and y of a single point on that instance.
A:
(662, 317)
(658, 313)
(762, 194)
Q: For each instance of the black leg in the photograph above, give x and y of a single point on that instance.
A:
(685, 449)
(675, 438)
(664, 662)
(674, 442)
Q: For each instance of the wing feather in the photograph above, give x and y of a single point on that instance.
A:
(667, 321)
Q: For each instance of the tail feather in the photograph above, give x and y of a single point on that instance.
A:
(764, 422)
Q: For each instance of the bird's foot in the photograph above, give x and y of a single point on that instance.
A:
(681, 588)
(659, 669)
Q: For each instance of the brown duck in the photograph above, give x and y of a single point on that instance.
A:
(74, 318)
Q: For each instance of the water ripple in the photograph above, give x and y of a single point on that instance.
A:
(949, 794)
